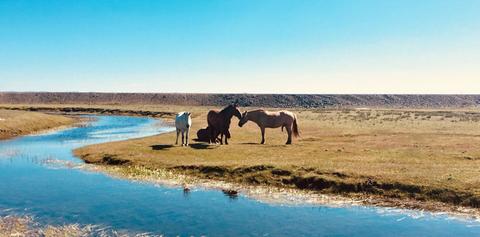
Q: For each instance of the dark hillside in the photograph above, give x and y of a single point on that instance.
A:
(264, 100)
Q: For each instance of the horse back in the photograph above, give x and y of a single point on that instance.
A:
(286, 113)
(210, 116)
(213, 118)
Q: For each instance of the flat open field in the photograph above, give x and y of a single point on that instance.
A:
(419, 155)
(15, 123)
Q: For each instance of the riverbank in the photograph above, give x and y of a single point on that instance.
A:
(410, 158)
(17, 123)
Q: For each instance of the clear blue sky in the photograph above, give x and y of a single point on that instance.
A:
(267, 46)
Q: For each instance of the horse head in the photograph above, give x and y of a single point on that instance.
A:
(232, 110)
(236, 111)
(243, 119)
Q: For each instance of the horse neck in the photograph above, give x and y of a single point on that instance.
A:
(228, 113)
(253, 117)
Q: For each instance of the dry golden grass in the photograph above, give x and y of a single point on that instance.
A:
(24, 226)
(15, 123)
(418, 154)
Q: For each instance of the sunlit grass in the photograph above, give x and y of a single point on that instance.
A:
(15, 123)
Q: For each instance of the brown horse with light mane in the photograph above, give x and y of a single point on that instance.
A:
(265, 119)
(219, 122)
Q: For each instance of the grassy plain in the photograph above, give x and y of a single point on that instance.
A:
(15, 123)
(424, 156)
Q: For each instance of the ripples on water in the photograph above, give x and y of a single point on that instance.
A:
(40, 177)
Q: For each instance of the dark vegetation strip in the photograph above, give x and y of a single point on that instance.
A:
(93, 111)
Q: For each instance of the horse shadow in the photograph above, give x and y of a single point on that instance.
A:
(251, 143)
(202, 146)
(264, 145)
(161, 147)
(198, 145)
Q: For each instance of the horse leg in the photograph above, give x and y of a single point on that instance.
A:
(212, 137)
(186, 137)
(289, 131)
(262, 129)
(221, 138)
(226, 138)
(178, 131)
(183, 137)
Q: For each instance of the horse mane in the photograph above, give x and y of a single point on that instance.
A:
(256, 111)
(224, 110)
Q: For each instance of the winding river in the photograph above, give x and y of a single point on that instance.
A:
(37, 178)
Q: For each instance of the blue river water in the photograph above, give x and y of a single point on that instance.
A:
(61, 195)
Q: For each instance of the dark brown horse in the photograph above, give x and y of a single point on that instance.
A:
(203, 135)
(219, 122)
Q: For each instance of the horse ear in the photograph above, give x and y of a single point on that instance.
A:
(235, 103)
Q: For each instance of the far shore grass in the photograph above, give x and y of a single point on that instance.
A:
(423, 156)
(17, 123)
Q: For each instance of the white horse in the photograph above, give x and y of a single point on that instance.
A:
(183, 122)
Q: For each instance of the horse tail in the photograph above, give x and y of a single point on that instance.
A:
(295, 127)
(209, 118)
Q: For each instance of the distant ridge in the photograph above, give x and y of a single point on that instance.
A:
(257, 100)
